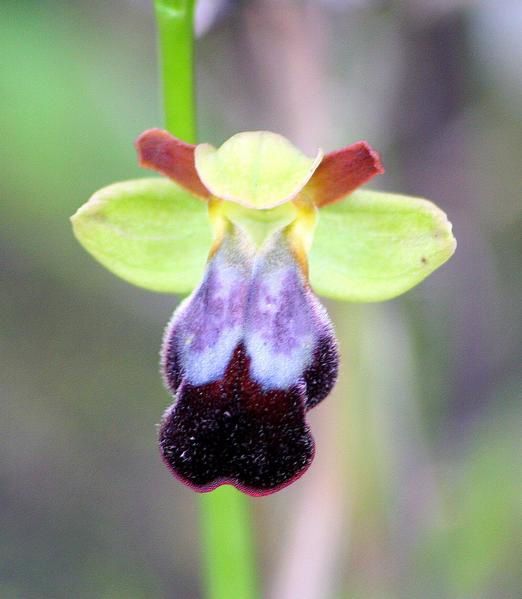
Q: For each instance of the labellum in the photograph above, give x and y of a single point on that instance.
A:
(246, 355)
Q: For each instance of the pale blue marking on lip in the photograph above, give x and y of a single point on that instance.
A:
(208, 326)
(262, 300)
(284, 320)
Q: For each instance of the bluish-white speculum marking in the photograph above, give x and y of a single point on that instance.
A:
(208, 325)
(261, 299)
(283, 320)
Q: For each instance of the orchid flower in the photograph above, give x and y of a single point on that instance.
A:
(252, 349)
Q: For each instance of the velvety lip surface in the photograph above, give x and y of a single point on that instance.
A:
(232, 431)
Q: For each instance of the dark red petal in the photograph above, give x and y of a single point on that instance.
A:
(343, 171)
(233, 432)
(162, 152)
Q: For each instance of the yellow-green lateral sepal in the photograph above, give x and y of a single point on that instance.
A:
(374, 246)
(150, 232)
(257, 169)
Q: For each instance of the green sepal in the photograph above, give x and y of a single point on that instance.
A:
(150, 232)
(257, 169)
(373, 246)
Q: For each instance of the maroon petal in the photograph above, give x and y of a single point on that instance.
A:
(343, 171)
(232, 431)
(162, 152)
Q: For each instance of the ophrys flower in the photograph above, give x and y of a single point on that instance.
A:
(252, 348)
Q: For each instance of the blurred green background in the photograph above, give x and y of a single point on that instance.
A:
(415, 491)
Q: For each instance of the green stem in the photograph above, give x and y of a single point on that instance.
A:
(227, 545)
(228, 554)
(175, 20)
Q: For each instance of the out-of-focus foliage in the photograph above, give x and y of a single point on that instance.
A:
(426, 451)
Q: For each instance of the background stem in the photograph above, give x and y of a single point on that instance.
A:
(228, 555)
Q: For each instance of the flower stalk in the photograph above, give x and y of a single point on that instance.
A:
(226, 538)
(175, 23)
(227, 543)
